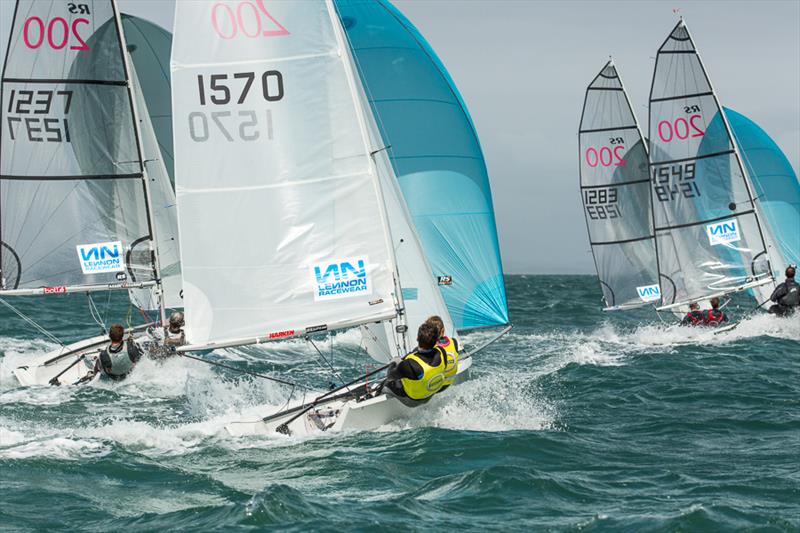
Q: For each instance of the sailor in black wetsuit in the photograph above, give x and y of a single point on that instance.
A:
(694, 317)
(786, 295)
(115, 361)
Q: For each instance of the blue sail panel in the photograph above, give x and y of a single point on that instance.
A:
(436, 156)
(774, 181)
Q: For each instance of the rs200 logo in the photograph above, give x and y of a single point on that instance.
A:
(725, 232)
(101, 257)
(341, 278)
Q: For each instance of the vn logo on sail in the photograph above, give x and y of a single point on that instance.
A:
(101, 257)
(724, 232)
(341, 278)
(649, 293)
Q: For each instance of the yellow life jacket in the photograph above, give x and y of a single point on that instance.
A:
(432, 379)
(450, 347)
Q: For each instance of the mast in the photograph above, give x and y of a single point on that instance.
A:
(402, 328)
(143, 166)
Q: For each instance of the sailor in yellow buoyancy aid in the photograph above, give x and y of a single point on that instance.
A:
(450, 346)
(420, 374)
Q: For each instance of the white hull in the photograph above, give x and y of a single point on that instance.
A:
(65, 361)
(338, 414)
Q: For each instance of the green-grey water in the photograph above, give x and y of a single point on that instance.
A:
(576, 420)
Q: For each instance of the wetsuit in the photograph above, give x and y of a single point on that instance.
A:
(693, 318)
(786, 297)
(116, 363)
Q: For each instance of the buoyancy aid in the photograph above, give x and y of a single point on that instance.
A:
(450, 347)
(792, 296)
(713, 317)
(116, 362)
(175, 338)
(431, 380)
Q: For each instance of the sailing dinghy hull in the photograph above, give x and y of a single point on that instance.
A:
(339, 414)
(65, 361)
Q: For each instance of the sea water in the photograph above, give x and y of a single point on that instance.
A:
(576, 420)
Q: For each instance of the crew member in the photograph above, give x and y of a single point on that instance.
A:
(450, 346)
(420, 374)
(714, 316)
(786, 295)
(175, 335)
(694, 317)
(115, 361)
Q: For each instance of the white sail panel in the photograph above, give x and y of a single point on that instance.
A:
(72, 197)
(615, 192)
(708, 235)
(279, 209)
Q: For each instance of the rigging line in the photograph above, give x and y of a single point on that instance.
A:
(33, 323)
(248, 372)
(95, 313)
(335, 373)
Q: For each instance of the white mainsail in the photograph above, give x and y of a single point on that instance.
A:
(615, 191)
(281, 214)
(708, 236)
(74, 193)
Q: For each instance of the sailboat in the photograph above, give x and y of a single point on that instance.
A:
(309, 232)
(615, 190)
(85, 201)
(710, 239)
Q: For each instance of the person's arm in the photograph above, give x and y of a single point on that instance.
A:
(409, 369)
(779, 292)
(134, 352)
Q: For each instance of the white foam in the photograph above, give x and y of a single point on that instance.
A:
(56, 448)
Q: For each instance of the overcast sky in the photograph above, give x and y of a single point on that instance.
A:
(523, 66)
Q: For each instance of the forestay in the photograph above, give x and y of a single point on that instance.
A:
(708, 236)
(434, 150)
(615, 192)
(73, 196)
(280, 209)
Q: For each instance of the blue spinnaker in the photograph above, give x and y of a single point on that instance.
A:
(774, 181)
(149, 46)
(436, 156)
